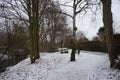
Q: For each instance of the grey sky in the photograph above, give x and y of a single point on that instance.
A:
(85, 23)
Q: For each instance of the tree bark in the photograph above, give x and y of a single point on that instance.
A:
(107, 20)
(74, 34)
(33, 29)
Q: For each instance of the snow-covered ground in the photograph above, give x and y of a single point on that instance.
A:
(56, 66)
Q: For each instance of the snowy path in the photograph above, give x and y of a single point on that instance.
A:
(79, 70)
(56, 66)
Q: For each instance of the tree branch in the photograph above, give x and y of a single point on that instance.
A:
(82, 8)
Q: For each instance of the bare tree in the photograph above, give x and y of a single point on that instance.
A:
(78, 6)
(54, 24)
(19, 8)
(32, 10)
(108, 21)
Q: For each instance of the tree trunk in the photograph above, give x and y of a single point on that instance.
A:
(34, 29)
(107, 20)
(32, 57)
(74, 34)
(36, 25)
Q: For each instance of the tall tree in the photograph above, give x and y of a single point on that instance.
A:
(18, 9)
(56, 25)
(78, 7)
(32, 7)
(108, 21)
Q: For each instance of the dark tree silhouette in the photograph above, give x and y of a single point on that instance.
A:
(108, 21)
